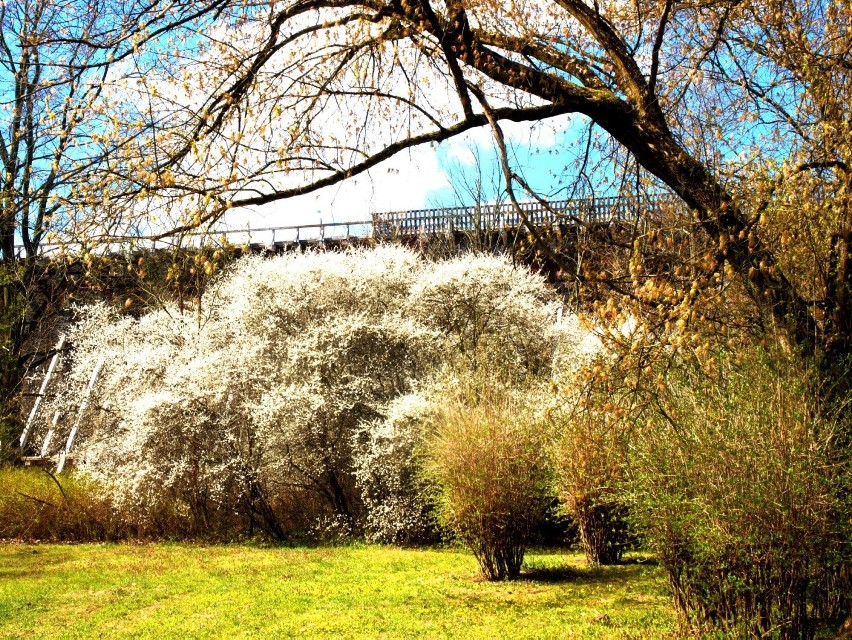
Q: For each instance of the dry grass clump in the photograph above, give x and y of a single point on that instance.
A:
(37, 505)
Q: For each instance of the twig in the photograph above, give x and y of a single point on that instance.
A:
(53, 477)
(34, 499)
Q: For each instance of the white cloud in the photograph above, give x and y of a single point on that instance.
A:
(403, 182)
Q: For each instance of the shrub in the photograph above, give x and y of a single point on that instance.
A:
(593, 436)
(738, 483)
(493, 317)
(589, 415)
(264, 408)
(388, 467)
(488, 460)
(249, 411)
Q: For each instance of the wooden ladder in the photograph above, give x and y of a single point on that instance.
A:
(43, 459)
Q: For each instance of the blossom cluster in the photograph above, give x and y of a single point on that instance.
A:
(294, 394)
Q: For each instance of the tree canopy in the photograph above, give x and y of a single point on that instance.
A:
(59, 64)
(735, 106)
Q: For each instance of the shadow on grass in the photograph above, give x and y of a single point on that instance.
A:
(645, 561)
(627, 569)
(552, 575)
(28, 561)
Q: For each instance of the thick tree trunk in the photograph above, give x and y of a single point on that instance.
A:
(838, 309)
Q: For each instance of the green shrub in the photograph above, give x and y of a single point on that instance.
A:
(739, 484)
(36, 505)
(589, 460)
(488, 460)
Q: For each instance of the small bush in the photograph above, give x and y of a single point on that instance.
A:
(738, 482)
(488, 460)
(589, 464)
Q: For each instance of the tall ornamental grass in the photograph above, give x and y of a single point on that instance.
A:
(488, 460)
(589, 458)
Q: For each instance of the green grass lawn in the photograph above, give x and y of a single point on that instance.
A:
(189, 591)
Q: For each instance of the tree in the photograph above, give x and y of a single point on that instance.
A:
(738, 107)
(701, 99)
(58, 64)
(797, 74)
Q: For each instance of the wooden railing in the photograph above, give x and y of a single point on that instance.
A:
(501, 216)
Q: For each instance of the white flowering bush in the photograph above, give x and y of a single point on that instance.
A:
(497, 318)
(395, 494)
(295, 393)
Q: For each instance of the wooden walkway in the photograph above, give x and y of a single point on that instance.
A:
(430, 222)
